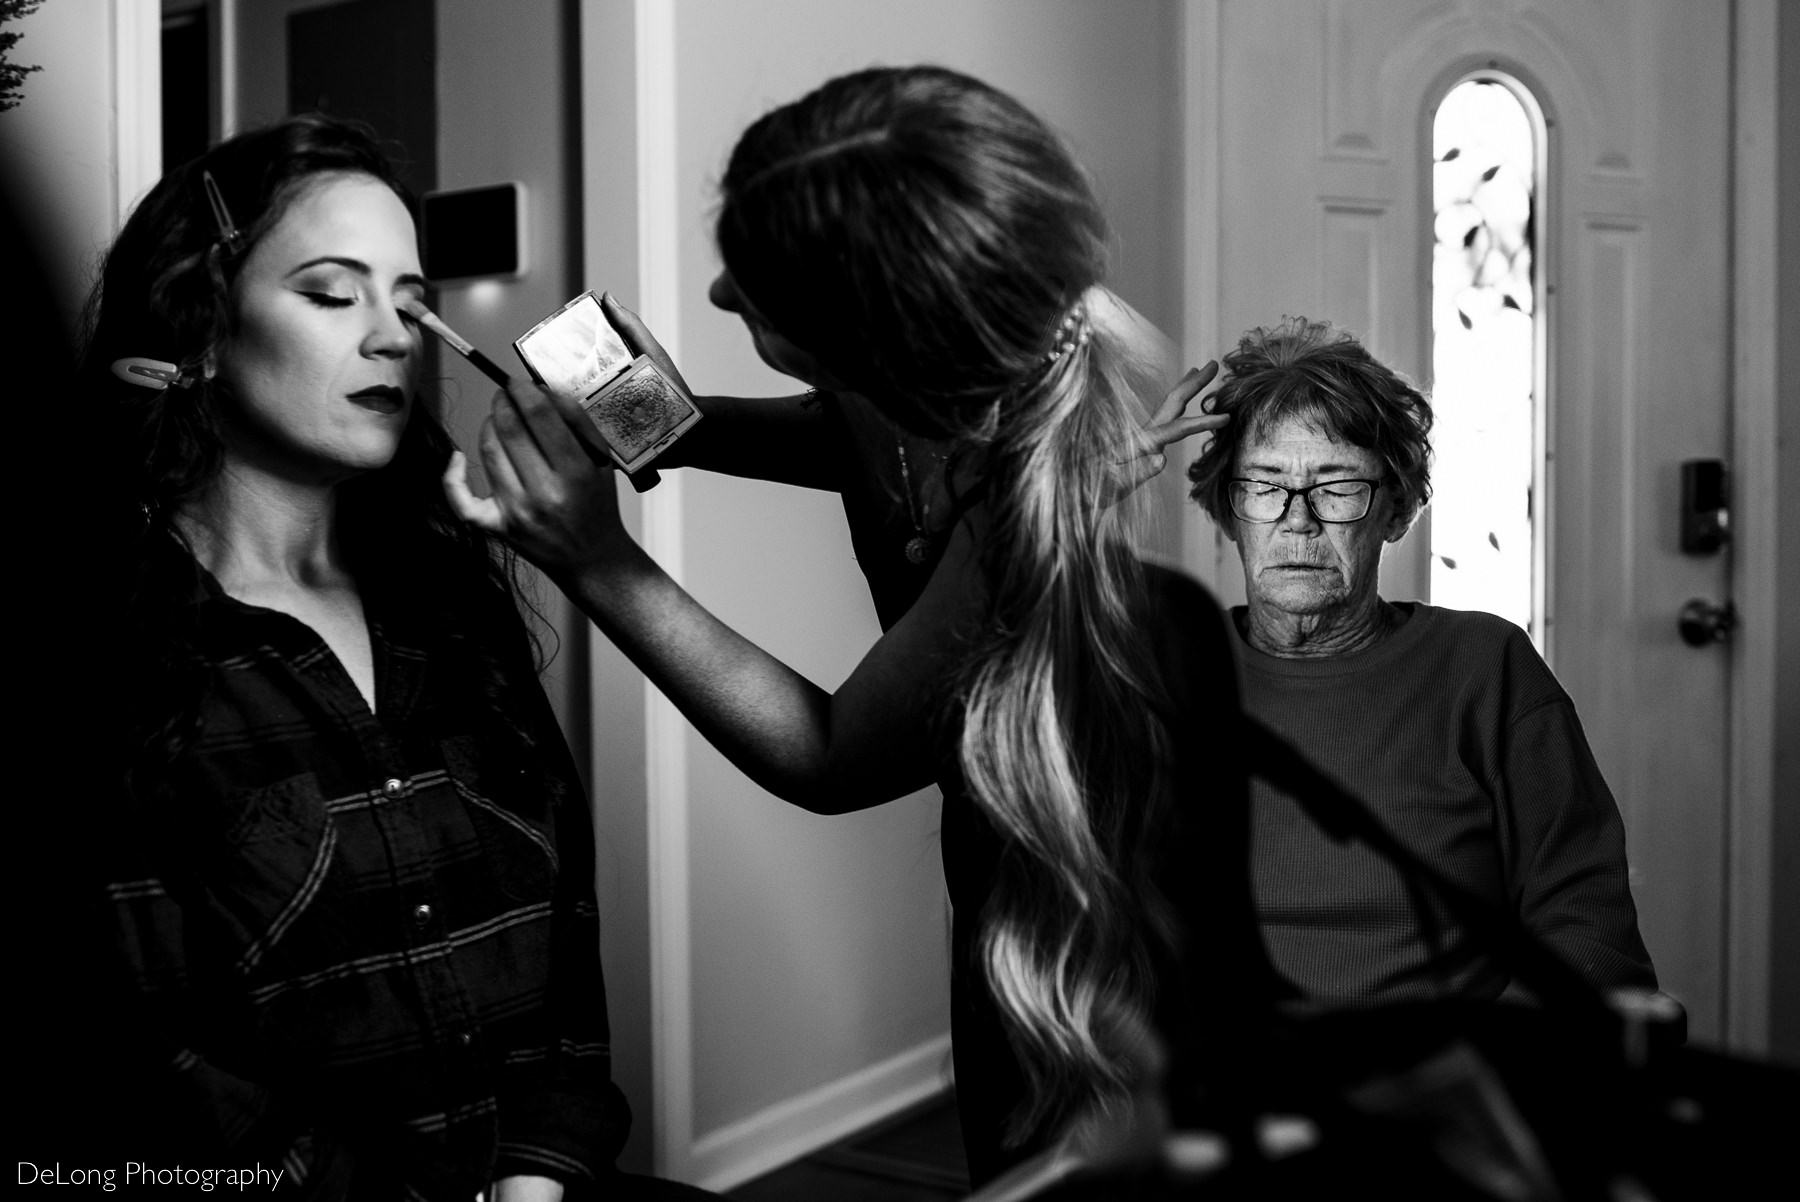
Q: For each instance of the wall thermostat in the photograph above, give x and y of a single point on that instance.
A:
(473, 233)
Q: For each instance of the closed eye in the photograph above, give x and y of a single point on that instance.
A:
(400, 306)
(327, 300)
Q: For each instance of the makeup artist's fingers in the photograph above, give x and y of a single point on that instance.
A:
(534, 465)
(577, 422)
(483, 512)
(639, 338)
(557, 514)
(498, 460)
(557, 426)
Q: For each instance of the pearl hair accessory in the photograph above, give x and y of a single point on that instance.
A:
(1074, 332)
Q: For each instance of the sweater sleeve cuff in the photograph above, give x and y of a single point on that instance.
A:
(571, 1137)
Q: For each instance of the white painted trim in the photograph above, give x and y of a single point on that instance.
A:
(795, 1126)
(1203, 550)
(225, 35)
(137, 102)
(665, 731)
(1750, 813)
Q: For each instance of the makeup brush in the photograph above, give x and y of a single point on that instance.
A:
(464, 347)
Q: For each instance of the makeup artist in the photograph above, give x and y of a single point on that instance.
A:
(924, 253)
(352, 875)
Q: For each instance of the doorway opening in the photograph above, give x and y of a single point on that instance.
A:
(189, 124)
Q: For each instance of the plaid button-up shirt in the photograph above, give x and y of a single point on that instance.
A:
(367, 943)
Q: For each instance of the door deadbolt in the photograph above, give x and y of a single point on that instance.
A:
(1705, 508)
(1704, 622)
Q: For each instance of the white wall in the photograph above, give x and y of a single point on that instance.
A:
(1784, 932)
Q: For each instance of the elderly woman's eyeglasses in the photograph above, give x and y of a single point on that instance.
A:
(1329, 500)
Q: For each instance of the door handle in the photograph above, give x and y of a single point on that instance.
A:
(1702, 622)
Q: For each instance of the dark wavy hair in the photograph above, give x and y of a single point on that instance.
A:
(919, 232)
(165, 293)
(925, 237)
(1323, 376)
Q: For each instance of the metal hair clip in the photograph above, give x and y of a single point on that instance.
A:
(150, 373)
(228, 230)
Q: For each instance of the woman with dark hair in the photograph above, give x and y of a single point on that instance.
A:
(925, 253)
(1448, 724)
(352, 871)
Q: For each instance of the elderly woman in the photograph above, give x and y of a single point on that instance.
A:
(1447, 724)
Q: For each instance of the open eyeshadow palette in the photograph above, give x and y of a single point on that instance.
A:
(576, 353)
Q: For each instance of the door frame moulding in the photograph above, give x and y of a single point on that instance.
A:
(137, 102)
(1205, 552)
(1750, 804)
(665, 731)
(225, 66)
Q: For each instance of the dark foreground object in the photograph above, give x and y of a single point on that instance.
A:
(1450, 1102)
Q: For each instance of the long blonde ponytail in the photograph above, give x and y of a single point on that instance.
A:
(1062, 743)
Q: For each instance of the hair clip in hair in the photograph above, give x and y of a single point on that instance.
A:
(150, 373)
(228, 230)
(1074, 331)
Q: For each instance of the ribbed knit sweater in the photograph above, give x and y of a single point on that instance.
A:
(1457, 735)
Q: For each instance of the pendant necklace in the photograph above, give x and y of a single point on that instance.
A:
(918, 547)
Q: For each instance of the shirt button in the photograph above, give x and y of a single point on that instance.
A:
(421, 913)
(393, 788)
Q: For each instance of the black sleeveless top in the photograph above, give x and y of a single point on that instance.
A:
(1194, 653)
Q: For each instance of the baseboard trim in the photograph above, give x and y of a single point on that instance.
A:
(789, 1129)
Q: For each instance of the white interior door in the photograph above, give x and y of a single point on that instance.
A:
(1309, 193)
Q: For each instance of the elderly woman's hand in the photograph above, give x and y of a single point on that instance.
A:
(1169, 425)
(553, 492)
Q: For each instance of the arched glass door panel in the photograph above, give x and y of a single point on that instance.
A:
(1486, 519)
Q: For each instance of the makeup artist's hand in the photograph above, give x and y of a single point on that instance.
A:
(554, 497)
(639, 338)
(1169, 425)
